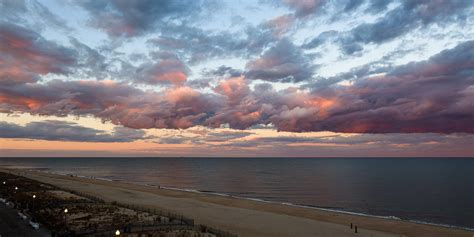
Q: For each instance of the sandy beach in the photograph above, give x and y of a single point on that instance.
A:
(240, 216)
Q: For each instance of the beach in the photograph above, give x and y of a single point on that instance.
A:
(241, 216)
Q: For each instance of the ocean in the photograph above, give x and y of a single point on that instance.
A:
(429, 190)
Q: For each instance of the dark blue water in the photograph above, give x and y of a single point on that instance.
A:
(431, 190)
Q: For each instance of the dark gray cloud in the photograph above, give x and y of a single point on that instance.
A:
(224, 136)
(17, 11)
(425, 143)
(284, 62)
(377, 6)
(90, 62)
(223, 71)
(321, 39)
(407, 17)
(177, 139)
(196, 45)
(354, 4)
(13, 10)
(54, 130)
(304, 8)
(49, 19)
(200, 83)
(352, 75)
(204, 137)
(133, 18)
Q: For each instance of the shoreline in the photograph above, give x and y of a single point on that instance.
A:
(299, 205)
(308, 212)
(207, 192)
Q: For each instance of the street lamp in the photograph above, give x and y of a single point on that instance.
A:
(16, 188)
(33, 208)
(117, 233)
(4, 182)
(65, 217)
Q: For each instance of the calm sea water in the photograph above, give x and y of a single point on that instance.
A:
(439, 190)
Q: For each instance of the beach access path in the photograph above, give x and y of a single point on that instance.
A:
(240, 216)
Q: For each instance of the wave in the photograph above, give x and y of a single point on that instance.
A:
(442, 225)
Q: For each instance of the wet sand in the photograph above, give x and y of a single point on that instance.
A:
(243, 217)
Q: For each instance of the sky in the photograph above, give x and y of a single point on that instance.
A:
(235, 78)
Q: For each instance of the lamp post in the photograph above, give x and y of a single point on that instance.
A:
(117, 233)
(65, 218)
(33, 208)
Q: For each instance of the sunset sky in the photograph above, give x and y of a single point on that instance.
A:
(309, 78)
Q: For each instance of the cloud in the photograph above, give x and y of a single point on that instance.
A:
(402, 18)
(167, 70)
(428, 96)
(90, 63)
(354, 4)
(120, 18)
(284, 62)
(405, 18)
(49, 19)
(122, 104)
(241, 108)
(304, 7)
(396, 144)
(196, 45)
(225, 136)
(204, 137)
(223, 71)
(281, 24)
(26, 56)
(321, 39)
(54, 130)
(13, 10)
(31, 13)
(177, 139)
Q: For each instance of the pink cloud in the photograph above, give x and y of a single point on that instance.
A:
(26, 55)
(415, 98)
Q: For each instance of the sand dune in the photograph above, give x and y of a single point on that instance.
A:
(244, 217)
